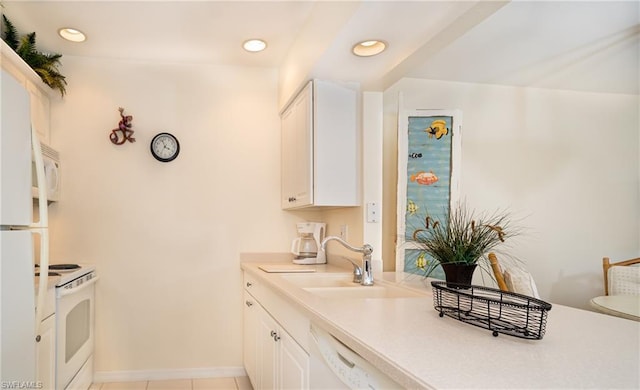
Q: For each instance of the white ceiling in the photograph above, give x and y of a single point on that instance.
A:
(578, 45)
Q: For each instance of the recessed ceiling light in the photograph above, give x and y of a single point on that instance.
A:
(369, 48)
(254, 45)
(71, 34)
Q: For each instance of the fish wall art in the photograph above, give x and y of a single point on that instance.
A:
(427, 181)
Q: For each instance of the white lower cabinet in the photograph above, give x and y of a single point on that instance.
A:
(294, 364)
(273, 359)
(46, 353)
(268, 351)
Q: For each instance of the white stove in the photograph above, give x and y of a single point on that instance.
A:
(61, 274)
(74, 324)
(76, 273)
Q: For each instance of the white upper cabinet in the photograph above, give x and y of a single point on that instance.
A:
(319, 148)
(39, 92)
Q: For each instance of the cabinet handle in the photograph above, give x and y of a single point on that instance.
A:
(248, 303)
(292, 199)
(249, 284)
(273, 333)
(38, 338)
(276, 337)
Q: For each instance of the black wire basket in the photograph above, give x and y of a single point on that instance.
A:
(499, 311)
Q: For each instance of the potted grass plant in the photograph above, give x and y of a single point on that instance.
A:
(460, 241)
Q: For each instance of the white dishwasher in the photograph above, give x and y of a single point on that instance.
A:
(333, 365)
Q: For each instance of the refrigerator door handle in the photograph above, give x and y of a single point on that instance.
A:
(43, 282)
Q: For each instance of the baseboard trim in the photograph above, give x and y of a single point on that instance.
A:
(158, 375)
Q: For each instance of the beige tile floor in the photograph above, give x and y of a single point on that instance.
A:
(238, 383)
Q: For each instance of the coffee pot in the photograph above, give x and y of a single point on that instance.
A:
(305, 247)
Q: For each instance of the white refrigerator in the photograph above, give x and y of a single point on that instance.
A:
(19, 318)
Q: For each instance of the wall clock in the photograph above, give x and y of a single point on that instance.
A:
(165, 147)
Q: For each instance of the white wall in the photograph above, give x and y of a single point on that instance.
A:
(566, 162)
(166, 237)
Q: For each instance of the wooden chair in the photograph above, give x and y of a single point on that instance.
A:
(513, 279)
(606, 265)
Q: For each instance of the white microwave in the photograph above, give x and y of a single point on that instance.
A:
(51, 159)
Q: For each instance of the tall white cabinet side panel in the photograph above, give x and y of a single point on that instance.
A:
(17, 302)
(15, 153)
(335, 140)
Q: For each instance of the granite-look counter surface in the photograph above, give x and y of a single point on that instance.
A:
(406, 339)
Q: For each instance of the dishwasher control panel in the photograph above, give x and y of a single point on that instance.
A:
(351, 368)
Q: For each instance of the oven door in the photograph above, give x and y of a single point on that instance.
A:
(75, 320)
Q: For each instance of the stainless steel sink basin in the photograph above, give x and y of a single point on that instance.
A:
(364, 292)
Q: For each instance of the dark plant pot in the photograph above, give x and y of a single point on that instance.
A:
(458, 275)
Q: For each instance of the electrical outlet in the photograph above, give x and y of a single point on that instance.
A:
(344, 230)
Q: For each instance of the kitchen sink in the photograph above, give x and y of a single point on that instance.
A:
(362, 292)
(341, 286)
(322, 279)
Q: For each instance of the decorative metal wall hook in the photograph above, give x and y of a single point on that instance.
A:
(123, 133)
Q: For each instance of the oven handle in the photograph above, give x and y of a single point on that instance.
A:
(67, 291)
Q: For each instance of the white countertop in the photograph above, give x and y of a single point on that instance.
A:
(405, 338)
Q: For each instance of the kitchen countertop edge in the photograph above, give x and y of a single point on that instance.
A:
(312, 308)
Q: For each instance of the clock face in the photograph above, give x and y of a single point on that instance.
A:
(165, 147)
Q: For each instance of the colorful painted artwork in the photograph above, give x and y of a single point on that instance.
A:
(427, 182)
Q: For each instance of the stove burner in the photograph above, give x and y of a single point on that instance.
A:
(64, 267)
(50, 274)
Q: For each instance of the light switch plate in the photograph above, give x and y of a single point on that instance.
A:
(373, 212)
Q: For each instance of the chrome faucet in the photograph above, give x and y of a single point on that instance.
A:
(362, 275)
(357, 270)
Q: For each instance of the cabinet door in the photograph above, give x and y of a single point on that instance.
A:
(294, 364)
(267, 351)
(297, 151)
(46, 353)
(250, 343)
